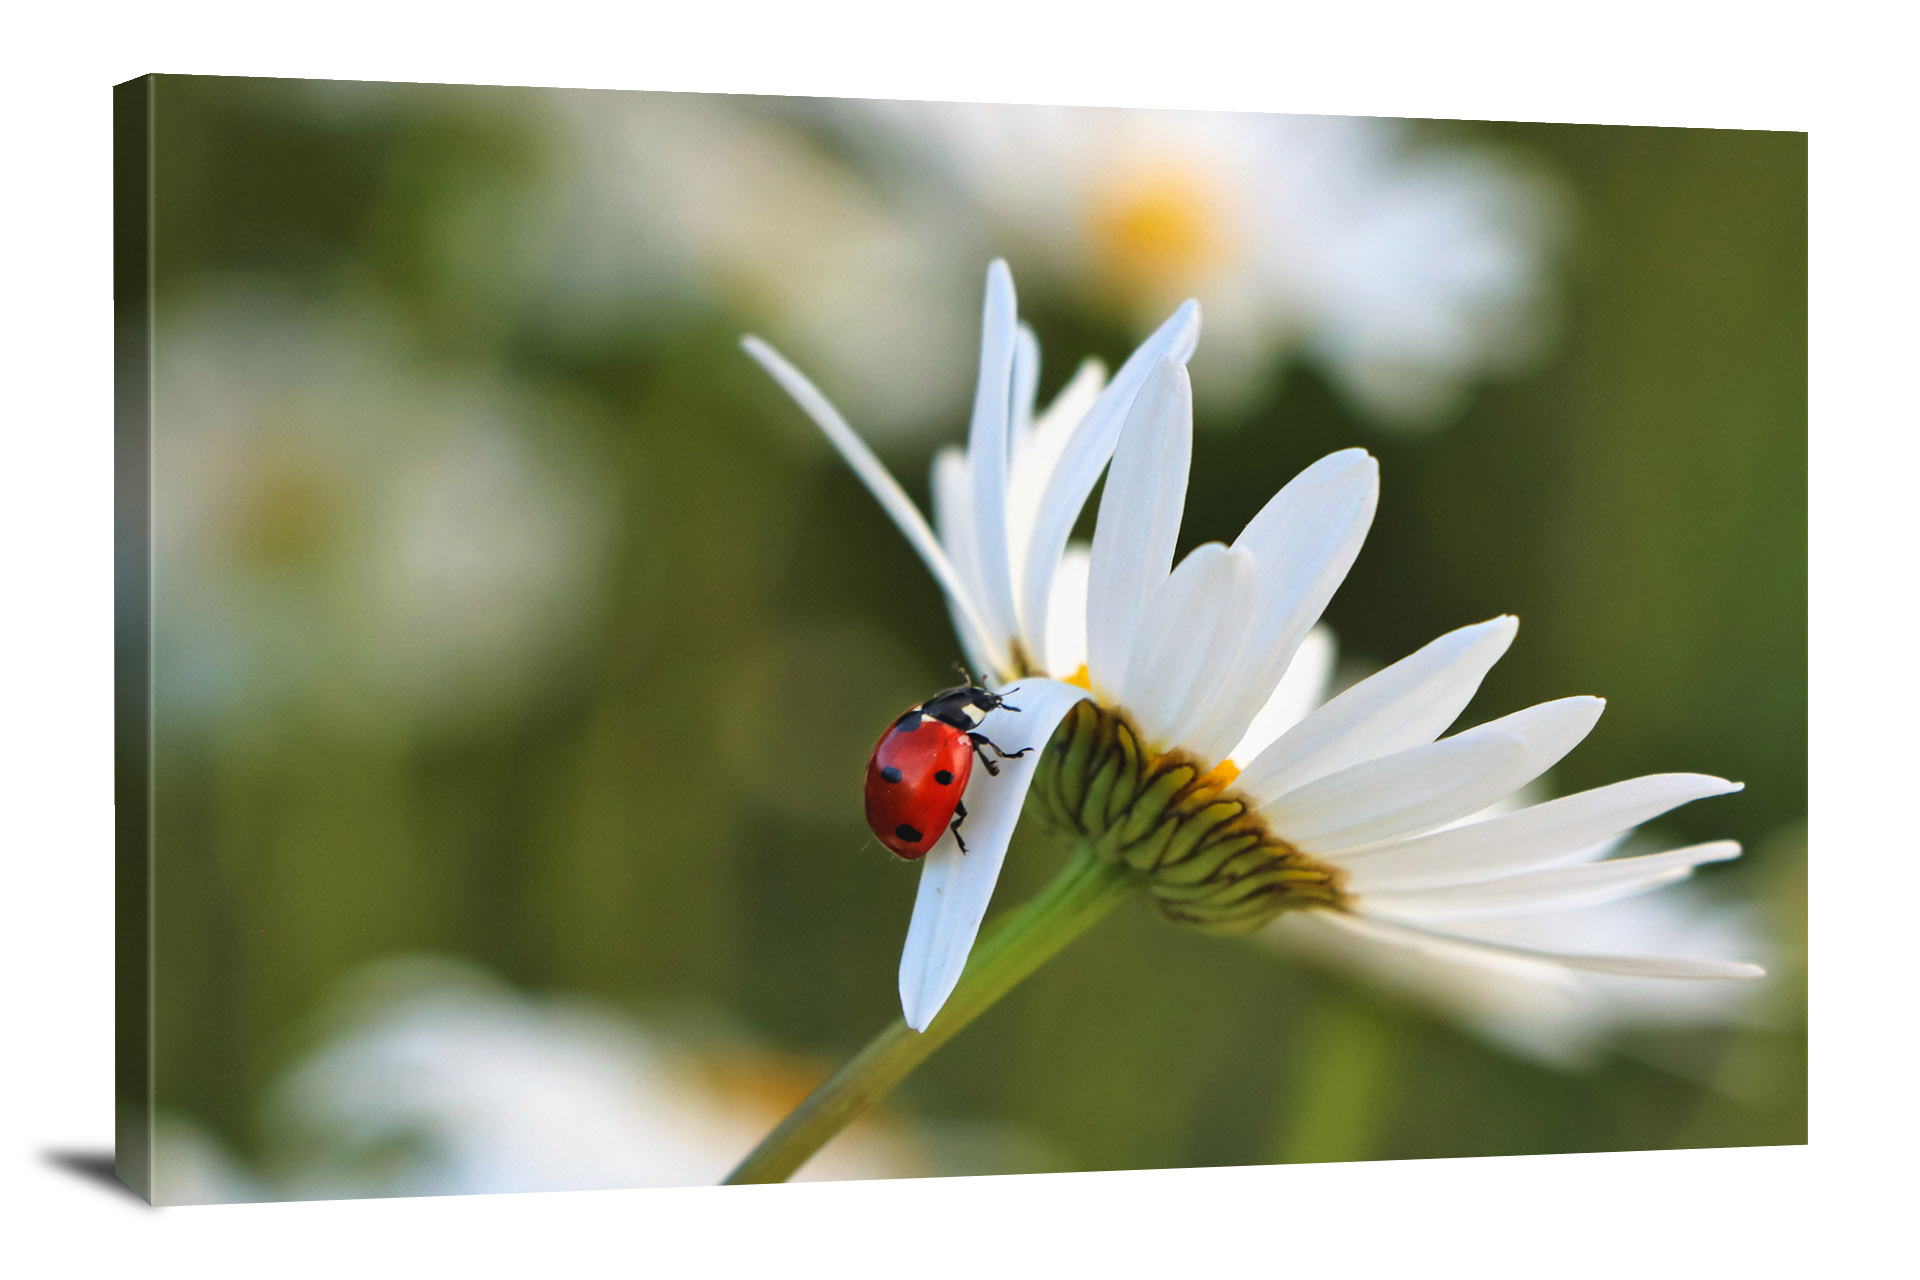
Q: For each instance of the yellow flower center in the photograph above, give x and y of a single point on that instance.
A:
(1157, 226)
(1218, 778)
(1202, 849)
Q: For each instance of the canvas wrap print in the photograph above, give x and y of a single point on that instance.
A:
(675, 638)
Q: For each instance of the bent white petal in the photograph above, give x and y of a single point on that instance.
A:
(1139, 522)
(1085, 455)
(1305, 540)
(1540, 836)
(880, 483)
(1560, 889)
(956, 887)
(1405, 705)
(1188, 634)
(989, 448)
(1412, 790)
(1451, 945)
(1300, 690)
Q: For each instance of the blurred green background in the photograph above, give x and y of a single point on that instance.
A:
(507, 613)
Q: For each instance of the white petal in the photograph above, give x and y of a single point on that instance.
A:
(1067, 615)
(1540, 836)
(1412, 790)
(1561, 889)
(955, 887)
(1453, 945)
(1071, 403)
(1081, 461)
(1305, 539)
(1035, 455)
(1139, 522)
(989, 448)
(1026, 386)
(1406, 704)
(1188, 636)
(1550, 730)
(1544, 1010)
(953, 520)
(881, 484)
(1297, 694)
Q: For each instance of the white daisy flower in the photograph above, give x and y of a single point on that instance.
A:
(1168, 748)
(436, 1079)
(662, 201)
(339, 522)
(1403, 270)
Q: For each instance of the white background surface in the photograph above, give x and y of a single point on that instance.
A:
(1840, 1206)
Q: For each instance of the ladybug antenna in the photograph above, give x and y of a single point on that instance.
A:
(968, 676)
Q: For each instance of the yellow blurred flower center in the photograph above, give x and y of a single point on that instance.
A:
(288, 516)
(1157, 227)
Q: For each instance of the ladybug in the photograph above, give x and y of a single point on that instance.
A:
(920, 766)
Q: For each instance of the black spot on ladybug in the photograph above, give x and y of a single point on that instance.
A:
(907, 833)
(944, 778)
(891, 774)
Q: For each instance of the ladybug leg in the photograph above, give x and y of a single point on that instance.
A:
(980, 740)
(959, 812)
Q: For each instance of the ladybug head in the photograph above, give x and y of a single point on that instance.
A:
(965, 706)
(987, 699)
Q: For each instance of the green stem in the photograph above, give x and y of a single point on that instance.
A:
(1086, 889)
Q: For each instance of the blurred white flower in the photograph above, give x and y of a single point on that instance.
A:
(191, 1166)
(662, 200)
(438, 1080)
(330, 519)
(1402, 269)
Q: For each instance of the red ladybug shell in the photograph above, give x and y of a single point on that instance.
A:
(915, 779)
